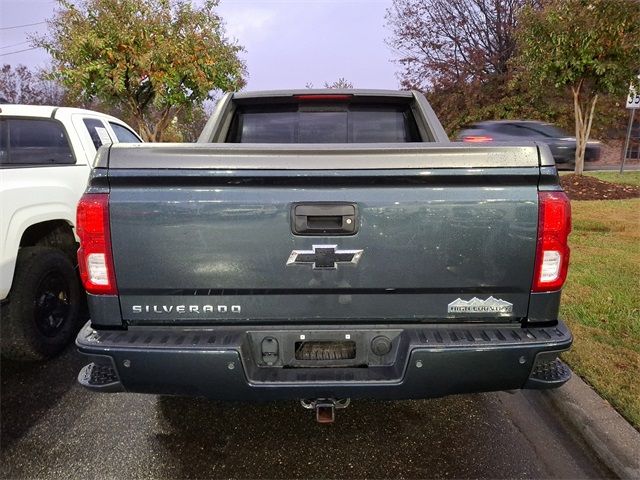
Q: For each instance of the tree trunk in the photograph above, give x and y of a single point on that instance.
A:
(143, 129)
(584, 120)
(153, 132)
(162, 124)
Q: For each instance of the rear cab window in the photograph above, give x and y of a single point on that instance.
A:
(4, 150)
(123, 134)
(31, 141)
(323, 122)
(97, 131)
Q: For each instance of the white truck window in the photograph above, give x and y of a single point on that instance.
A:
(123, 134)
(4, 152)
(97, 131)
(36, 142)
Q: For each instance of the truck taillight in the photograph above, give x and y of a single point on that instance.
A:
(94, 255)
(552, 253)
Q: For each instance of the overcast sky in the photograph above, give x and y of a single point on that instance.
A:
(289, 42)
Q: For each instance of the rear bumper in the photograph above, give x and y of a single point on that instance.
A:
(426, 361)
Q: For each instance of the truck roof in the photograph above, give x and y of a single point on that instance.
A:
(358, 92)
(48, 111)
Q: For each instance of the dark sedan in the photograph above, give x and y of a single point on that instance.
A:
(562, 145)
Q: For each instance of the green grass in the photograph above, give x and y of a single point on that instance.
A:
(601, 300)
(628, 178)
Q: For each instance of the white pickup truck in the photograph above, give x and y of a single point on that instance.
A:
(46, 155)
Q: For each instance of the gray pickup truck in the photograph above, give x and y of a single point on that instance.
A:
(323, 245)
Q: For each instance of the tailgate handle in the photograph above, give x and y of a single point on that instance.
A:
(324, 218)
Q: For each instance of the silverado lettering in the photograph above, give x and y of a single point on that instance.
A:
(186, 308)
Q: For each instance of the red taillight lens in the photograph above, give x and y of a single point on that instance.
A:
(477, 139)
(94, 256)
(552, 253)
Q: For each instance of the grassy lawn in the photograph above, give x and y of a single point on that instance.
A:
(601, 300)
(629, 178)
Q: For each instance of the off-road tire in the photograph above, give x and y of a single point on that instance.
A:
(36, 322)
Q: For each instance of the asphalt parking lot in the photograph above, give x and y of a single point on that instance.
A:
(52, 428)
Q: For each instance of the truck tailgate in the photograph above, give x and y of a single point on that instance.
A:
(436, 241)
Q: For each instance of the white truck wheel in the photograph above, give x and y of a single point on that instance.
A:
(42, 314)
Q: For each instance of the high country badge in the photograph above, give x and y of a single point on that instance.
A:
(477, 305)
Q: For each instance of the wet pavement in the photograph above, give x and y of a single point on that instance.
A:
(52, 428)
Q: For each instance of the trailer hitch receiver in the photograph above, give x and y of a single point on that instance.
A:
(325, 407)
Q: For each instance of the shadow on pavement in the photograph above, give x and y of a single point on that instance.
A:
(30, 390)
(410, 439)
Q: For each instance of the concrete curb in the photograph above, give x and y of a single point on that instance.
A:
(611, 437)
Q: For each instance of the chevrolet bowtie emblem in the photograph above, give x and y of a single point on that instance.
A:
(324, 257)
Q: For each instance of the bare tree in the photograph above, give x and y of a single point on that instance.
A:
(340, 83)
(22, 85)
(441, 43)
